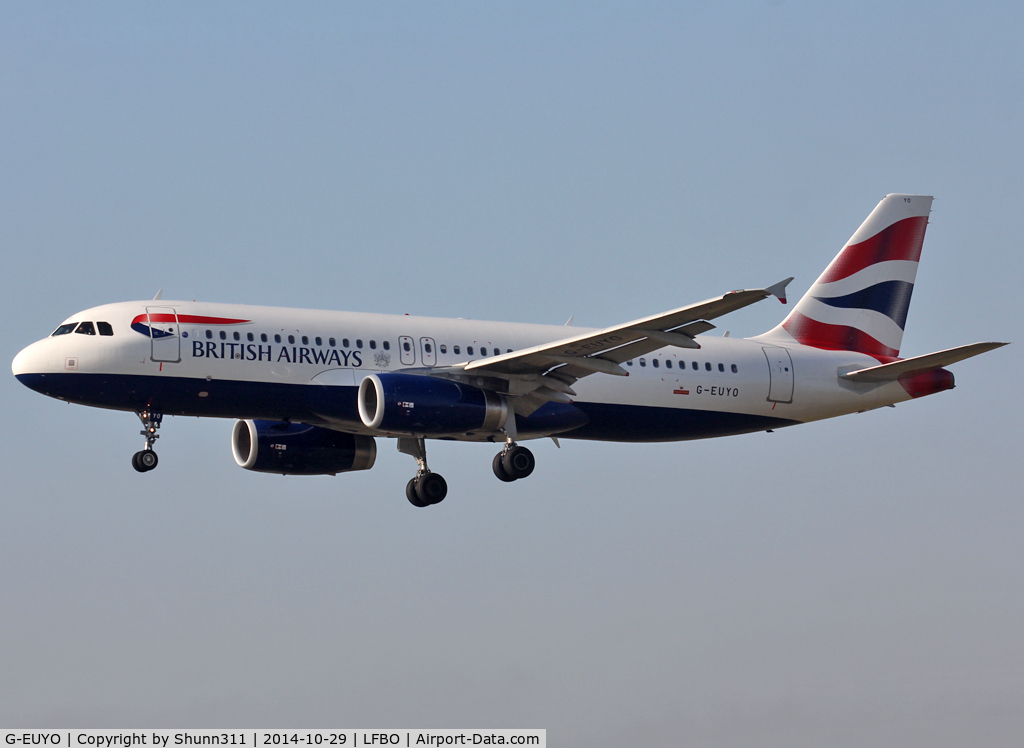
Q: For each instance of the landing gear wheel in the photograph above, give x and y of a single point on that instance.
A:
(426, 488)
(499, 468)
(431, 488)
(145, 460)
(518, 462)
(410, 493)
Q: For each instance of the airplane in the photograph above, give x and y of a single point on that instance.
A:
(311, 391)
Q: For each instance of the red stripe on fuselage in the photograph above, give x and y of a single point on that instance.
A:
(816, 334)
(900, 241)
(189, 319)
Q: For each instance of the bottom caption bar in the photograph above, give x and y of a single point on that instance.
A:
(260, 738)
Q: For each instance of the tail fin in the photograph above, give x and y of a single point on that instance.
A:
(860, 302)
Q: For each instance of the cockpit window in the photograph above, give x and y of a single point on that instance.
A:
(105, 328)
(65, 329)
(86, 328)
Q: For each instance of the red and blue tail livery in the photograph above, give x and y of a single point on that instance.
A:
(312, 392)
(860, 302)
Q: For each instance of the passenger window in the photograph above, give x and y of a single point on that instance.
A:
(509, 350)
(387, 345)
(406, 347)
(668, 363)
(643, 362)
(497, 351)
(291, 339)
(443, 348)
(65, 329)
(223, 335)
(707, 366)
(305, 340)
(734, 369)
(86, 328)
(428, 347)
(105, 328)
(318, 340)
(209, 334)
(263, 337)
(331, 342)
(249, 337)
(695, 367)
(654, 363)
(359, 343)
(455, 350)
(469, 350)
(483, 352)
(344, 342)
(629, 363)
(721, 367)
(236, 336)
(277, 338)
(373, 344)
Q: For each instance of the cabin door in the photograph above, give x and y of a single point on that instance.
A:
(780, 372)
(164, 334)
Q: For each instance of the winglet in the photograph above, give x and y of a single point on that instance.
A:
(779, 289)
(159, 294)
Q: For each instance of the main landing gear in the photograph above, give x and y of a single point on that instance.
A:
(426, 488)
(146, 459)
(513, 462)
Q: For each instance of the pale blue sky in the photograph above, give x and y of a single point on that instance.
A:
(844, 583)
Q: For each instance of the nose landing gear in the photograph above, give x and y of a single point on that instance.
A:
(426, 488)
(146, 459)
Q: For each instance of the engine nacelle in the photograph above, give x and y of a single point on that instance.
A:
(298, 449)
(411, 404)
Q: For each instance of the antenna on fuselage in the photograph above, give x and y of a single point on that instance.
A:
(158, 295)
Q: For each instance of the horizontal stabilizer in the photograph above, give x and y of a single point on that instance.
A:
(910, 367)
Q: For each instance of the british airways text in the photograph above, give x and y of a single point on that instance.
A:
(292, 354)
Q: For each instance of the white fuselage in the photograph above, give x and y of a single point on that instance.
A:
(261, 362)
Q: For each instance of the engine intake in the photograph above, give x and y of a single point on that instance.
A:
(421, 405)
(299, 449)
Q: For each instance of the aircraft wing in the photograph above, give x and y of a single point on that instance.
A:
(545, 372)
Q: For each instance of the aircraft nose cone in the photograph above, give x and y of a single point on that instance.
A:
(30, 360)
(31, 367)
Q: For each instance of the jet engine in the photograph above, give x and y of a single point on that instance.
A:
(410, 404)
(299, 449)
